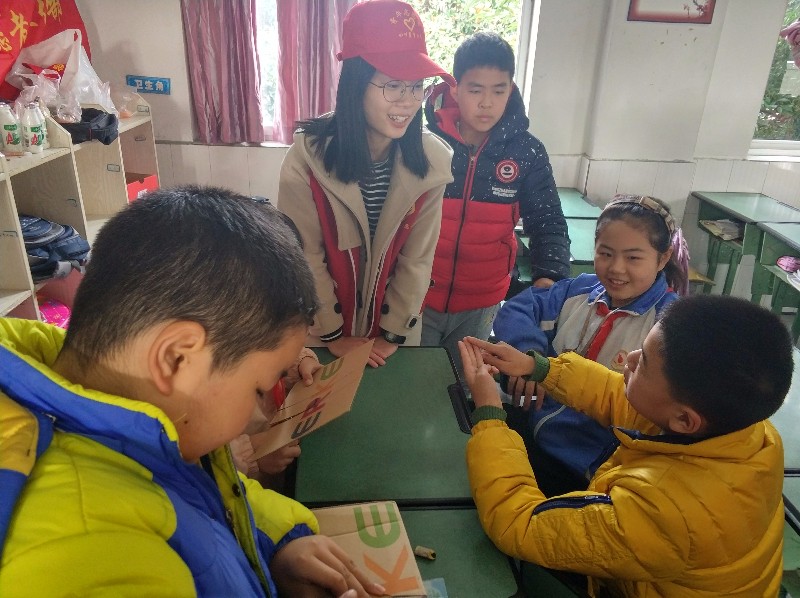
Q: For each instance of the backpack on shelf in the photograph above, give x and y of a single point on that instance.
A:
(53, 249)
(94, 125)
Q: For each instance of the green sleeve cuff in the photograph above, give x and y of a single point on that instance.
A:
(540, 368)
(488, 412)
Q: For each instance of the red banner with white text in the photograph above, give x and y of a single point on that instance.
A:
(27, 22)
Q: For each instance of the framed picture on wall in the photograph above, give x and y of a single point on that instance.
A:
(672, 11)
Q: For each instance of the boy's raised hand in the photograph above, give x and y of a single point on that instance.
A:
(315, 566)
(504, 357)
(479, 376)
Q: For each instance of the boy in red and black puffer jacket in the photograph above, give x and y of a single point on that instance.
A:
(501, 172)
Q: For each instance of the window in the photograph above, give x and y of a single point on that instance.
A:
(778, 125)
(267, 39)
(447, 23)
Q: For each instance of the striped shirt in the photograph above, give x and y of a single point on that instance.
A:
(374, 189)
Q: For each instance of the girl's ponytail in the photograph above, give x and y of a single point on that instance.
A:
(677, 268)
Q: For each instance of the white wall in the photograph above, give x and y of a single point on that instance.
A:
(565, 70)
(143, 38)
(613, 89)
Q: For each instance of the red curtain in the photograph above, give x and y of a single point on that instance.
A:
(223, 69)
(309, 33)
(28, 22)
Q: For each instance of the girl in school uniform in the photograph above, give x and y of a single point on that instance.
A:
(640, 262)
(364, 185)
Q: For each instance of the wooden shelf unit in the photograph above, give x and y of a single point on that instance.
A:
(80, 185)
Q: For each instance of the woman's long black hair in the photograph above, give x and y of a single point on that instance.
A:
(341, 139)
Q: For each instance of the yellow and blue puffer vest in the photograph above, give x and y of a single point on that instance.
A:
(94, 492)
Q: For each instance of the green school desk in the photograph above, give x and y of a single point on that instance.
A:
(466, 559)
(748, 208)
(401, 440)
(581, 235)
(786, 421)
(778, 239)
(791, 537)
(575, 205)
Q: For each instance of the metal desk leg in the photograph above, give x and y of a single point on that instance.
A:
(713, 255)
(783, 296)
(733, 266)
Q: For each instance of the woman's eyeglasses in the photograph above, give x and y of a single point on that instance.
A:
(394, 91)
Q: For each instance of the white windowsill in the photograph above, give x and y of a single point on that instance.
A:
(774, 151)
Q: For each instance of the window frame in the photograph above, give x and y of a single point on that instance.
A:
(766, 148)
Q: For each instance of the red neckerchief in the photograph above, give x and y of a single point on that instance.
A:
(603, 331)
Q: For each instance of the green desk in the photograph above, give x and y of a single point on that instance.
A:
(778, 239)
(791, 498)
(401, 441)
(465, 557)
(581, 235)
(575, 205)
(748, 208)
(786, 421)
(791, 537)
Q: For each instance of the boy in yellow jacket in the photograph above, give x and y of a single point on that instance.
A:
(115, 475)
(689, 504)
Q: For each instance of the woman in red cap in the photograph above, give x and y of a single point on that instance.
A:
(364, 185)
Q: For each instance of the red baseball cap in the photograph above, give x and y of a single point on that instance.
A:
(389, 35)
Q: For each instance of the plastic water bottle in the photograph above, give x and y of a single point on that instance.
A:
(40, 113)
(33, 129)
(10, 143)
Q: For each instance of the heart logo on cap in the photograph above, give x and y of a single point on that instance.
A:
(410, 23)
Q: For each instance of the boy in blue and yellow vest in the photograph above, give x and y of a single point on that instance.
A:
(115, 475)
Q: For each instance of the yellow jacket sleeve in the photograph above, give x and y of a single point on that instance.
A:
(588, 532)
(594, 390)
(274, 513)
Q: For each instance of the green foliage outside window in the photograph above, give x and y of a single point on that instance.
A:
(448, 22)
(780, 112)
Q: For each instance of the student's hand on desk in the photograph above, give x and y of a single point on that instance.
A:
(503, 356)
(479, 376)
(381, 351)
(314, 566)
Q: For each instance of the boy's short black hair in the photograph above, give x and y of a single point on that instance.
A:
(202, 254)
(483, 49)
(728, 358)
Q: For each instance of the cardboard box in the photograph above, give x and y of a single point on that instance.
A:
(308, 408)
(139, 184)
(374, 536)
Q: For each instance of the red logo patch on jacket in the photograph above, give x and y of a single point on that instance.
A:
(507, 171)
